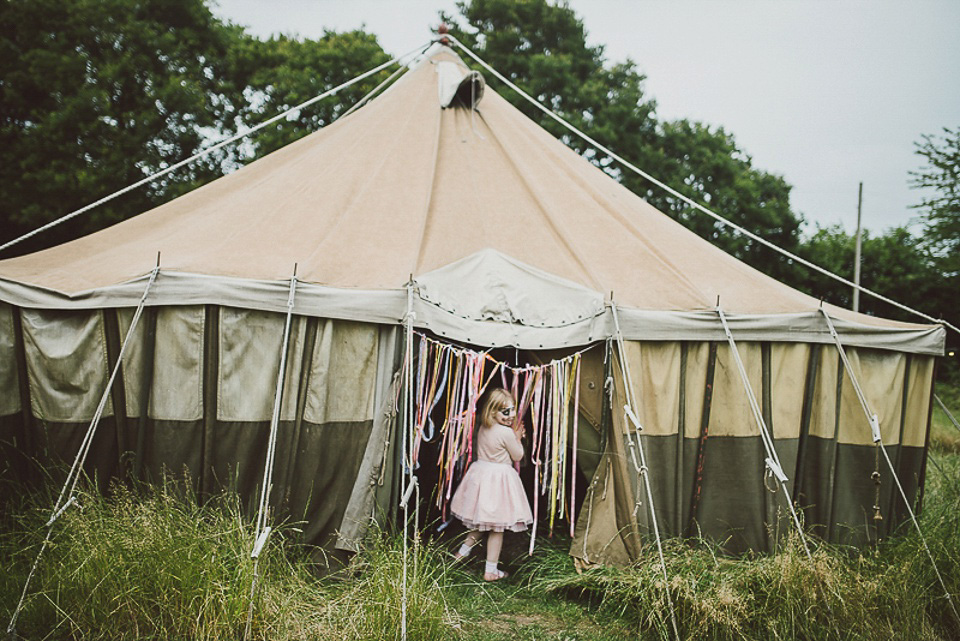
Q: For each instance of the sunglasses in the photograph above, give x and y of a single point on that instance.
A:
(508, 411)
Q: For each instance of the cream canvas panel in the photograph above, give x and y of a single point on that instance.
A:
(918, 401)
(343, 373)
(66, 364)
(9, 380)
(788, 376)
(880, 374)
(730, 413)
(695, 383)
(176, 391)
(250, 344)
(823, 405)
(655, 368)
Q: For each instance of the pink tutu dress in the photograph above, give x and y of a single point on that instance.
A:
(491, 495)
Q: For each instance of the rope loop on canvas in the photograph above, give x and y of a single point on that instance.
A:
(73, 476)
(642, 466)
(211, 149)
(676, 194)
(878, 439)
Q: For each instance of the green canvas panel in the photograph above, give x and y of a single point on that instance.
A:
(327, 462)
(172, 449)
(672, 486)
(734, 494)
(9, 379)
(176, 382)
(66, 359)
(814, 495)
(343, 372)
(910, 468)
(16, 464)
(58, 442)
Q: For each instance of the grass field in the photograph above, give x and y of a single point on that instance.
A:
(155, 565)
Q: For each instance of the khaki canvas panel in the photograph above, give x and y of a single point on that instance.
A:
(9, 378)
(823, 405)
(655, 369)
(730, 413)
(788, 376)
(918, 401)
(66, 353)
(250, 344)
(880, 374)
(695, 383)
(176, 390)
(342, 373)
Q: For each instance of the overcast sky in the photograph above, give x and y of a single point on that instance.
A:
(826, 93)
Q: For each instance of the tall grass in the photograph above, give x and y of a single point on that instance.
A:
(890, 592)
(157, 565)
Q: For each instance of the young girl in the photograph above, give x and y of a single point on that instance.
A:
(491, 497)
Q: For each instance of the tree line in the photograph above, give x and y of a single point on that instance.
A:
(98, 94)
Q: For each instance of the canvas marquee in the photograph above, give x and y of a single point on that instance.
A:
(441, 203)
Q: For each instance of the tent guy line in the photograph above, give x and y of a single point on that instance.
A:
(689, 201)
(209, 150)
(76, 469)
(448, 38)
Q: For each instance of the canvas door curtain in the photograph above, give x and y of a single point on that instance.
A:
(449, 383)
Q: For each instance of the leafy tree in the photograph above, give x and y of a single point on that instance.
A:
(893, 264)
(95, 95)
(282, 72)
(543, 48)
(940, 176)
(98, 94)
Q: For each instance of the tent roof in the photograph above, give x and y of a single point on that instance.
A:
(406, 187)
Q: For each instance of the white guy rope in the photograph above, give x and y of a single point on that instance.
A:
(209, 150)
(773, 461)
(642, 467)
(949, 415)
(878, 439)
(70, 484)
(691, 202)
(261, 531)
(409, 480)
(373, 91)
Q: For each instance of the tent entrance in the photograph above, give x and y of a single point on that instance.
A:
(559, 394)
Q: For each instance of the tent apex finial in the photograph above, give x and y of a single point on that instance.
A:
(442, 31)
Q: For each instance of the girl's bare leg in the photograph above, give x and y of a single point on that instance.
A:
(494, 545)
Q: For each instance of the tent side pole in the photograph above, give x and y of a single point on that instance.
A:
(146, 385)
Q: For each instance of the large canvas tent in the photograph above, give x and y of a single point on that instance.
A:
(441, 199)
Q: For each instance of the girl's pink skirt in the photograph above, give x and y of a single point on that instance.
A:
(491, 497)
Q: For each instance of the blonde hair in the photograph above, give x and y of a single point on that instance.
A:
(496, 400)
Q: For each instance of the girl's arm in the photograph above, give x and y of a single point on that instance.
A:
(513, 445)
